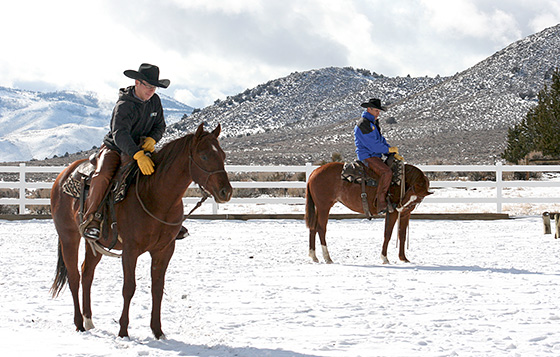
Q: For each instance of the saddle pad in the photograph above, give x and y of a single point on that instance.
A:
(354, 172)
(82, 176)
(73, 184)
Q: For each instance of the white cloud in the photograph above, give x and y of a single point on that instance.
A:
(211, 49)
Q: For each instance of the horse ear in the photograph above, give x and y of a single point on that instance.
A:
(218, 130)
(199, 130)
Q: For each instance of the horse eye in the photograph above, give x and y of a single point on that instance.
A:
(204, 158)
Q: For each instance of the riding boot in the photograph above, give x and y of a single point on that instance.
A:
(107, 164)
(384, 181)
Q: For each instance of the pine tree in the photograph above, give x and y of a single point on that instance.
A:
(540, 129)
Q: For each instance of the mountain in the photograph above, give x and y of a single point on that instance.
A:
(39, 125)
(306, 117)
(309, 116)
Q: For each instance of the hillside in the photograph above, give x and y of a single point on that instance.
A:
(458, 120)
(39, 125)
(308, 116)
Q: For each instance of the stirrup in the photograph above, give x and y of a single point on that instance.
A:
(92, 233)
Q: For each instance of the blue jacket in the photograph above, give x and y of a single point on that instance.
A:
(368, 139)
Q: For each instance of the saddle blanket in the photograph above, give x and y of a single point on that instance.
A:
(354, 172)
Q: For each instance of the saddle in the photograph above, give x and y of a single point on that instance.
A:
(357, 172)
(78, 183)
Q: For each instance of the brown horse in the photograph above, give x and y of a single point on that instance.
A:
(149, 219)
(325, 187)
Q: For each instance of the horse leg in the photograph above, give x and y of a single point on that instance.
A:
(69, 240)
(403, 225)
(88, 269)
(312, 234)
(129, 261)
(160, 261)
(322, 220)
(390, 220)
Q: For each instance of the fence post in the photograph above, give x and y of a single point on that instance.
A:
(499, 186)
(22, 195)
(308, 170)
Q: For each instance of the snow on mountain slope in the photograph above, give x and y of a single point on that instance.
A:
(40, 125)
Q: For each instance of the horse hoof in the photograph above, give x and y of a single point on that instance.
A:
(384, 259)
(313, 256)
(160, 336)
(88, 324)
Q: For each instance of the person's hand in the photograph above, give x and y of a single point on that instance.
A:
(149, 144)
(393, 150)
(145, 164)
(398, 157)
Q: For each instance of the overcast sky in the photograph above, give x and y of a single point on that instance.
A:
(213, 48)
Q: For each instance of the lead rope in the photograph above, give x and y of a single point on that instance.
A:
(400, 204)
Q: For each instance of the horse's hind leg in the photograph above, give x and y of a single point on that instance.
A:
(390, 220)
(312, 234)
(322, 219)
(88, 269)
(70, 242)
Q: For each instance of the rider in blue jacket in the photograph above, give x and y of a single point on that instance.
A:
(371, 146)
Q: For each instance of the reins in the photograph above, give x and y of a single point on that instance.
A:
(205, 196)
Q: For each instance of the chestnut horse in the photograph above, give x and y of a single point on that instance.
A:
(325, 187)
(148, 220)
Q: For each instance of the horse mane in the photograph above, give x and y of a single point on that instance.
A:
(165, 158)
(415, 177)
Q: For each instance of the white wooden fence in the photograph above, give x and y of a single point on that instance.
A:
(497, 197)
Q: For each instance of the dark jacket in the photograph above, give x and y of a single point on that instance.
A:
(368, 138)
(133, 120)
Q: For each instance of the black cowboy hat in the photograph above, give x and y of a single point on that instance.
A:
(149, 73)
(373, 103)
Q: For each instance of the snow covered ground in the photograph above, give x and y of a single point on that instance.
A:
(247, 288)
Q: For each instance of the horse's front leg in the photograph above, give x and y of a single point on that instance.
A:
(88, 269)
(403, 227)
(129, 261)
(390, 220)
(160, 261)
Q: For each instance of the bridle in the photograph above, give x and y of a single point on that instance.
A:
(205, 193)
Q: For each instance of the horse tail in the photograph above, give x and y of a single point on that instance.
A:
(310, 212)
(61, 274)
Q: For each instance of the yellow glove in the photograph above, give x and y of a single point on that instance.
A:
(149, 144)
(145, 164)
(398, 157)
(393, 150)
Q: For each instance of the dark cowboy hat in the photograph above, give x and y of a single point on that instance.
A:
(374, 103)
(148, 73)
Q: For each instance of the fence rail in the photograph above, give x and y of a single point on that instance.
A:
(499, 184)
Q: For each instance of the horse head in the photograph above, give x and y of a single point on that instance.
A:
(417, 187)
(207, 164)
